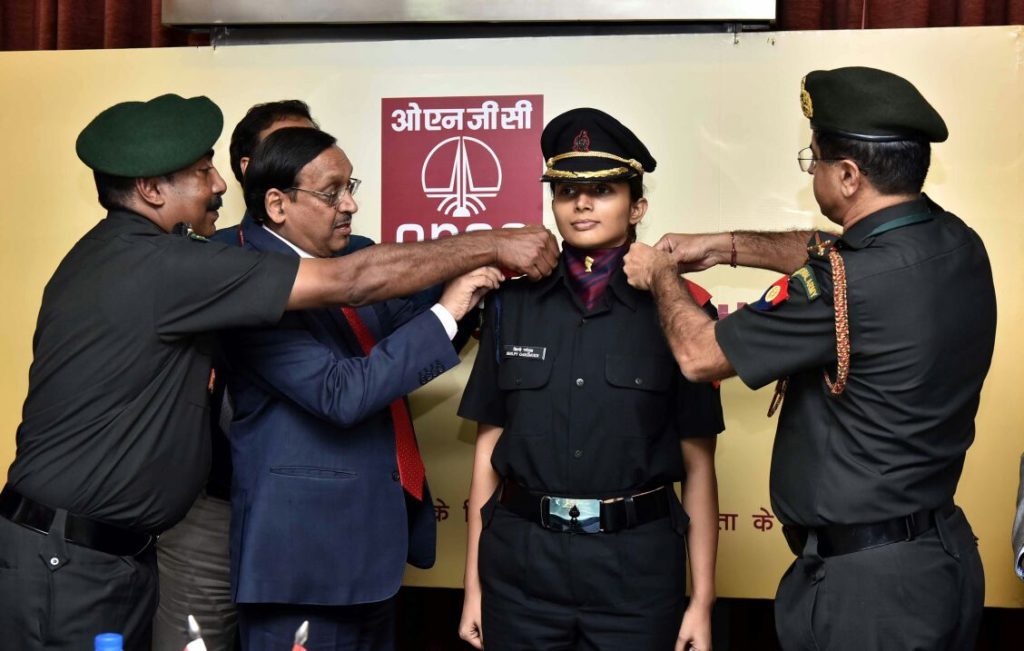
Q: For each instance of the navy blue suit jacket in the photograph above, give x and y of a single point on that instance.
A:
(318, 513)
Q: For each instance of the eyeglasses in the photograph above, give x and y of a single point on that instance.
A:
(807, 161)
(332, 199)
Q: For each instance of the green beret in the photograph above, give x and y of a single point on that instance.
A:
(142, 139)
(585, 145)
(869, 104)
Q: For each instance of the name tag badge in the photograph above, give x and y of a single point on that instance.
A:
(525, 352)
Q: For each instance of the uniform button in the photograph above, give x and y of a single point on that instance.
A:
(583, 322)
(578, 453)
(54, 561)
(518, 381)
(395, 476)
(639, 381)
(579, 381)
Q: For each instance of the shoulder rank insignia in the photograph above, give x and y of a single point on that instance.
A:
(775, 295)
(819, 245)
(185, 230)
(805, 275)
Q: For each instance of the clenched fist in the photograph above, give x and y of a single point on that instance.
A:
(530, 250)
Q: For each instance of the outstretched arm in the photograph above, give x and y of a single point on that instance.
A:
(689, 330)
(782, 251)
(386, 271)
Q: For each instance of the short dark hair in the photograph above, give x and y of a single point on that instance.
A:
(636, 193)
(113, 192)
(246, 135)
(897, 167)
(277, 162)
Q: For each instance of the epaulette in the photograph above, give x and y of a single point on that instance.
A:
(820, 244)
(185, 230)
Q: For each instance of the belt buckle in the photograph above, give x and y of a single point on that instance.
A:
(570, 515)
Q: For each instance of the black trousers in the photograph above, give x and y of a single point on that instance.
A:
(55, 595)
(926, 594)
(360, 627)
(558, 591)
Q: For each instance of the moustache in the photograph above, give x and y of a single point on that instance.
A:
(215, 203)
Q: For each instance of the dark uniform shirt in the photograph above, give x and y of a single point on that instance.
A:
(592, 405)
(922, 317)
(115, 423)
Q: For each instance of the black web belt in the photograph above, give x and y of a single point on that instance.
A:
(576, 515)
(78, 530)
(837, 539)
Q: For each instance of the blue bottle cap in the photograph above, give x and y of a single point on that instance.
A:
(109, 642)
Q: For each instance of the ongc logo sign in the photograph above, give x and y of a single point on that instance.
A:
(463, 194)
(458, 164)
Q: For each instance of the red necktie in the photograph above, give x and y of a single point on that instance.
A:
(407, 453)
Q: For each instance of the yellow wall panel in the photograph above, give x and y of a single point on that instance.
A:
(721, 115)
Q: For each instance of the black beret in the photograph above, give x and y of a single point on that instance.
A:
(142, 139)
(586, 144)
(869, 104)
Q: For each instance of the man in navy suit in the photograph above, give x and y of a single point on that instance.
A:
(328, 499)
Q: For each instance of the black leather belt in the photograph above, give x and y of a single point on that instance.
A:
(78, 530)
(838, 539)
(575, 515)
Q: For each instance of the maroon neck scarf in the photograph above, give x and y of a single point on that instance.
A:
(590, 271)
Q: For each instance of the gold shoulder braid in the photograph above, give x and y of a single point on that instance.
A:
(842, 325)
(842, 337)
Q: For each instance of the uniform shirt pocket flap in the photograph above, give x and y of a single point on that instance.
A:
(643, 372)
(516, 374)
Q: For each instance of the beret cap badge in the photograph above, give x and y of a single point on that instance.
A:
(805, 100)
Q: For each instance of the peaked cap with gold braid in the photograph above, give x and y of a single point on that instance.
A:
(586, 145)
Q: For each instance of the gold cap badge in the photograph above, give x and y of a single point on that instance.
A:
(805, 100)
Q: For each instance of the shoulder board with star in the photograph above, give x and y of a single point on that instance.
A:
(820, 244)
